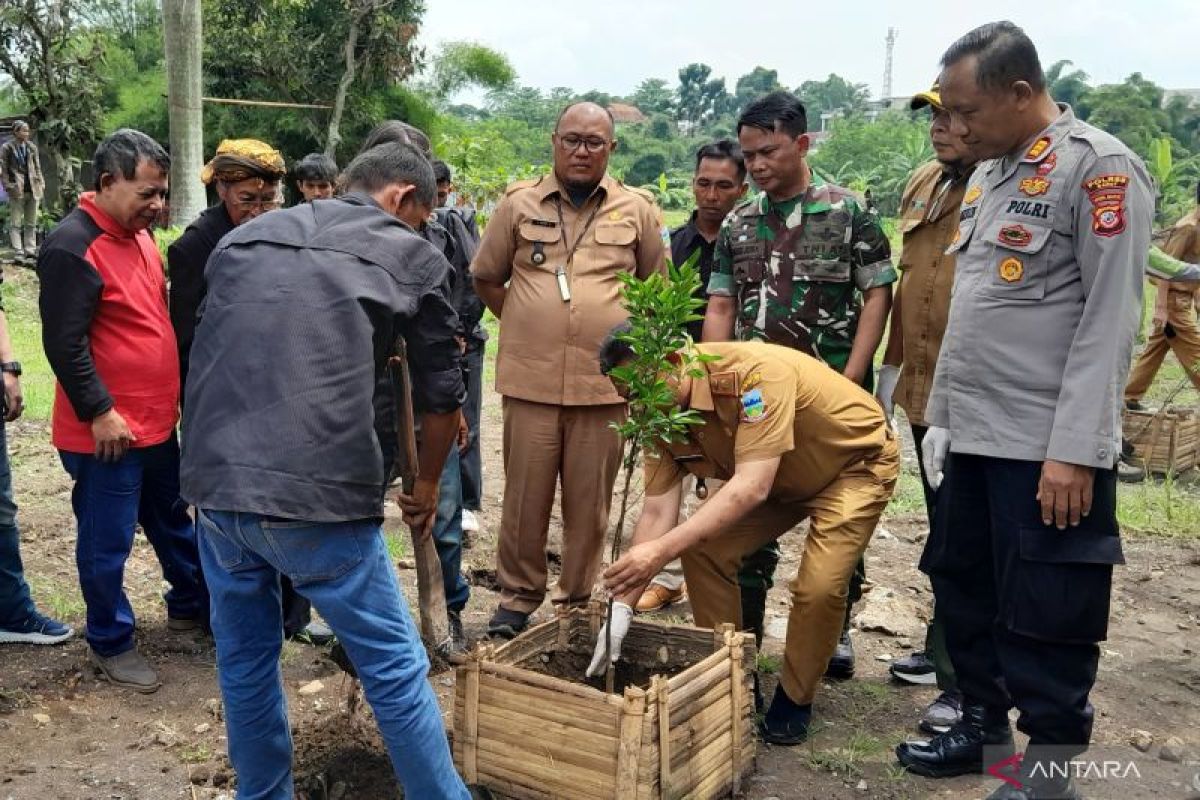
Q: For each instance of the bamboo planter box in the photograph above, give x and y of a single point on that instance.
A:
(531, 736)
(1166, 442)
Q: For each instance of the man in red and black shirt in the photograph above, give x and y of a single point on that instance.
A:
(108, 338)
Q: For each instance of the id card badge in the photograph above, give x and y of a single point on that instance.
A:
(564, 288)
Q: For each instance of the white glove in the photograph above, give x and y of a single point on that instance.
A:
(889, 376)
(622, 615)
(934, 448)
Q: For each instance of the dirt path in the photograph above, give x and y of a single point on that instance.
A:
(66, 735)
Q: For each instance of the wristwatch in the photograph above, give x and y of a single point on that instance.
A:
(11, 366)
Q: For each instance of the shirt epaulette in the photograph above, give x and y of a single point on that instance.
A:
(517, 186)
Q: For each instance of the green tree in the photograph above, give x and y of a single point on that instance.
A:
(653, 96)
(1066, 87)
(878, 155)
(834, 95)
(701, 97)
(1132, 111)
(56, 63)
(754, 84)
(459, 65)
(302, 53)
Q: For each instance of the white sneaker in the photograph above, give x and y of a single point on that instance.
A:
(470, 523)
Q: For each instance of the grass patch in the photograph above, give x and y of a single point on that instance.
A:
(767, 664)
(1160, 507)
(198, 753)
(909, 497)
(396, 546)
(848, 758)
(59, 601)
(25, 330)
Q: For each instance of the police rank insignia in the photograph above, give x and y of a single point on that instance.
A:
(1048, 164)
(1011, 270)
(753, 407)
(1036, 149)
(1016, 235)
(972, 194)
(1107, 193)
(1034, 186)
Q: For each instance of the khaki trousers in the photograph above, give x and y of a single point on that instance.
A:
(842, 519)
(1185, 343)
(543, 445)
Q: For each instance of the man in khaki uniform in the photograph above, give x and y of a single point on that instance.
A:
(548, 268)
(928, 222)
(1174, 326)
(795, 440)
(21, 174)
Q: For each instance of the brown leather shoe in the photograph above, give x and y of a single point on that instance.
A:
(657, 596)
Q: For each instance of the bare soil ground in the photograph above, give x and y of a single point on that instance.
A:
(64, 734)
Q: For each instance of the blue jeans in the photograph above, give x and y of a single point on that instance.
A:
(343, 568)
(110, 499)
(448, 533)
(15, 603)
(472, 460)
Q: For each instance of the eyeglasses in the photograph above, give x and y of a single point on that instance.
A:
(263, 205)
(571, 143)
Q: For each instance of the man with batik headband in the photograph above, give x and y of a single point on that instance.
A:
(246, 175)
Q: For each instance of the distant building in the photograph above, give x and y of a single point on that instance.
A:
(624, 112)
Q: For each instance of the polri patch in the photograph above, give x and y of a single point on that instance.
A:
(1011, 270)
(754, 409)
(1034, 185)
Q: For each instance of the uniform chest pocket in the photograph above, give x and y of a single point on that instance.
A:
(748, 251)
(615, 248)
(819, 248)
(1019, 254)
(538, 245)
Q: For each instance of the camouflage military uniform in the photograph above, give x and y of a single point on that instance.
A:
(797, 271)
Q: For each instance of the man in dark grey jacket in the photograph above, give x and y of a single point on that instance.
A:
(282, 454)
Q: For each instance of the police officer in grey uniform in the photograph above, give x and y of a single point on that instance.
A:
(1025, 413)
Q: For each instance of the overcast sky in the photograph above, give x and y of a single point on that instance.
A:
(612, 45)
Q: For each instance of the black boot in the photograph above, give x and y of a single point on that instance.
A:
(754, 608)
(841, 666)
(959, 751)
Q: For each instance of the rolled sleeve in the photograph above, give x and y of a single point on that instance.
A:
(1112, 240)
(493, 259)
(871, 253)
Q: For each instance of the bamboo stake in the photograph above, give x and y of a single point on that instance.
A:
(631, 741)
(735, 695)
(664, 737)
(470, 737)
